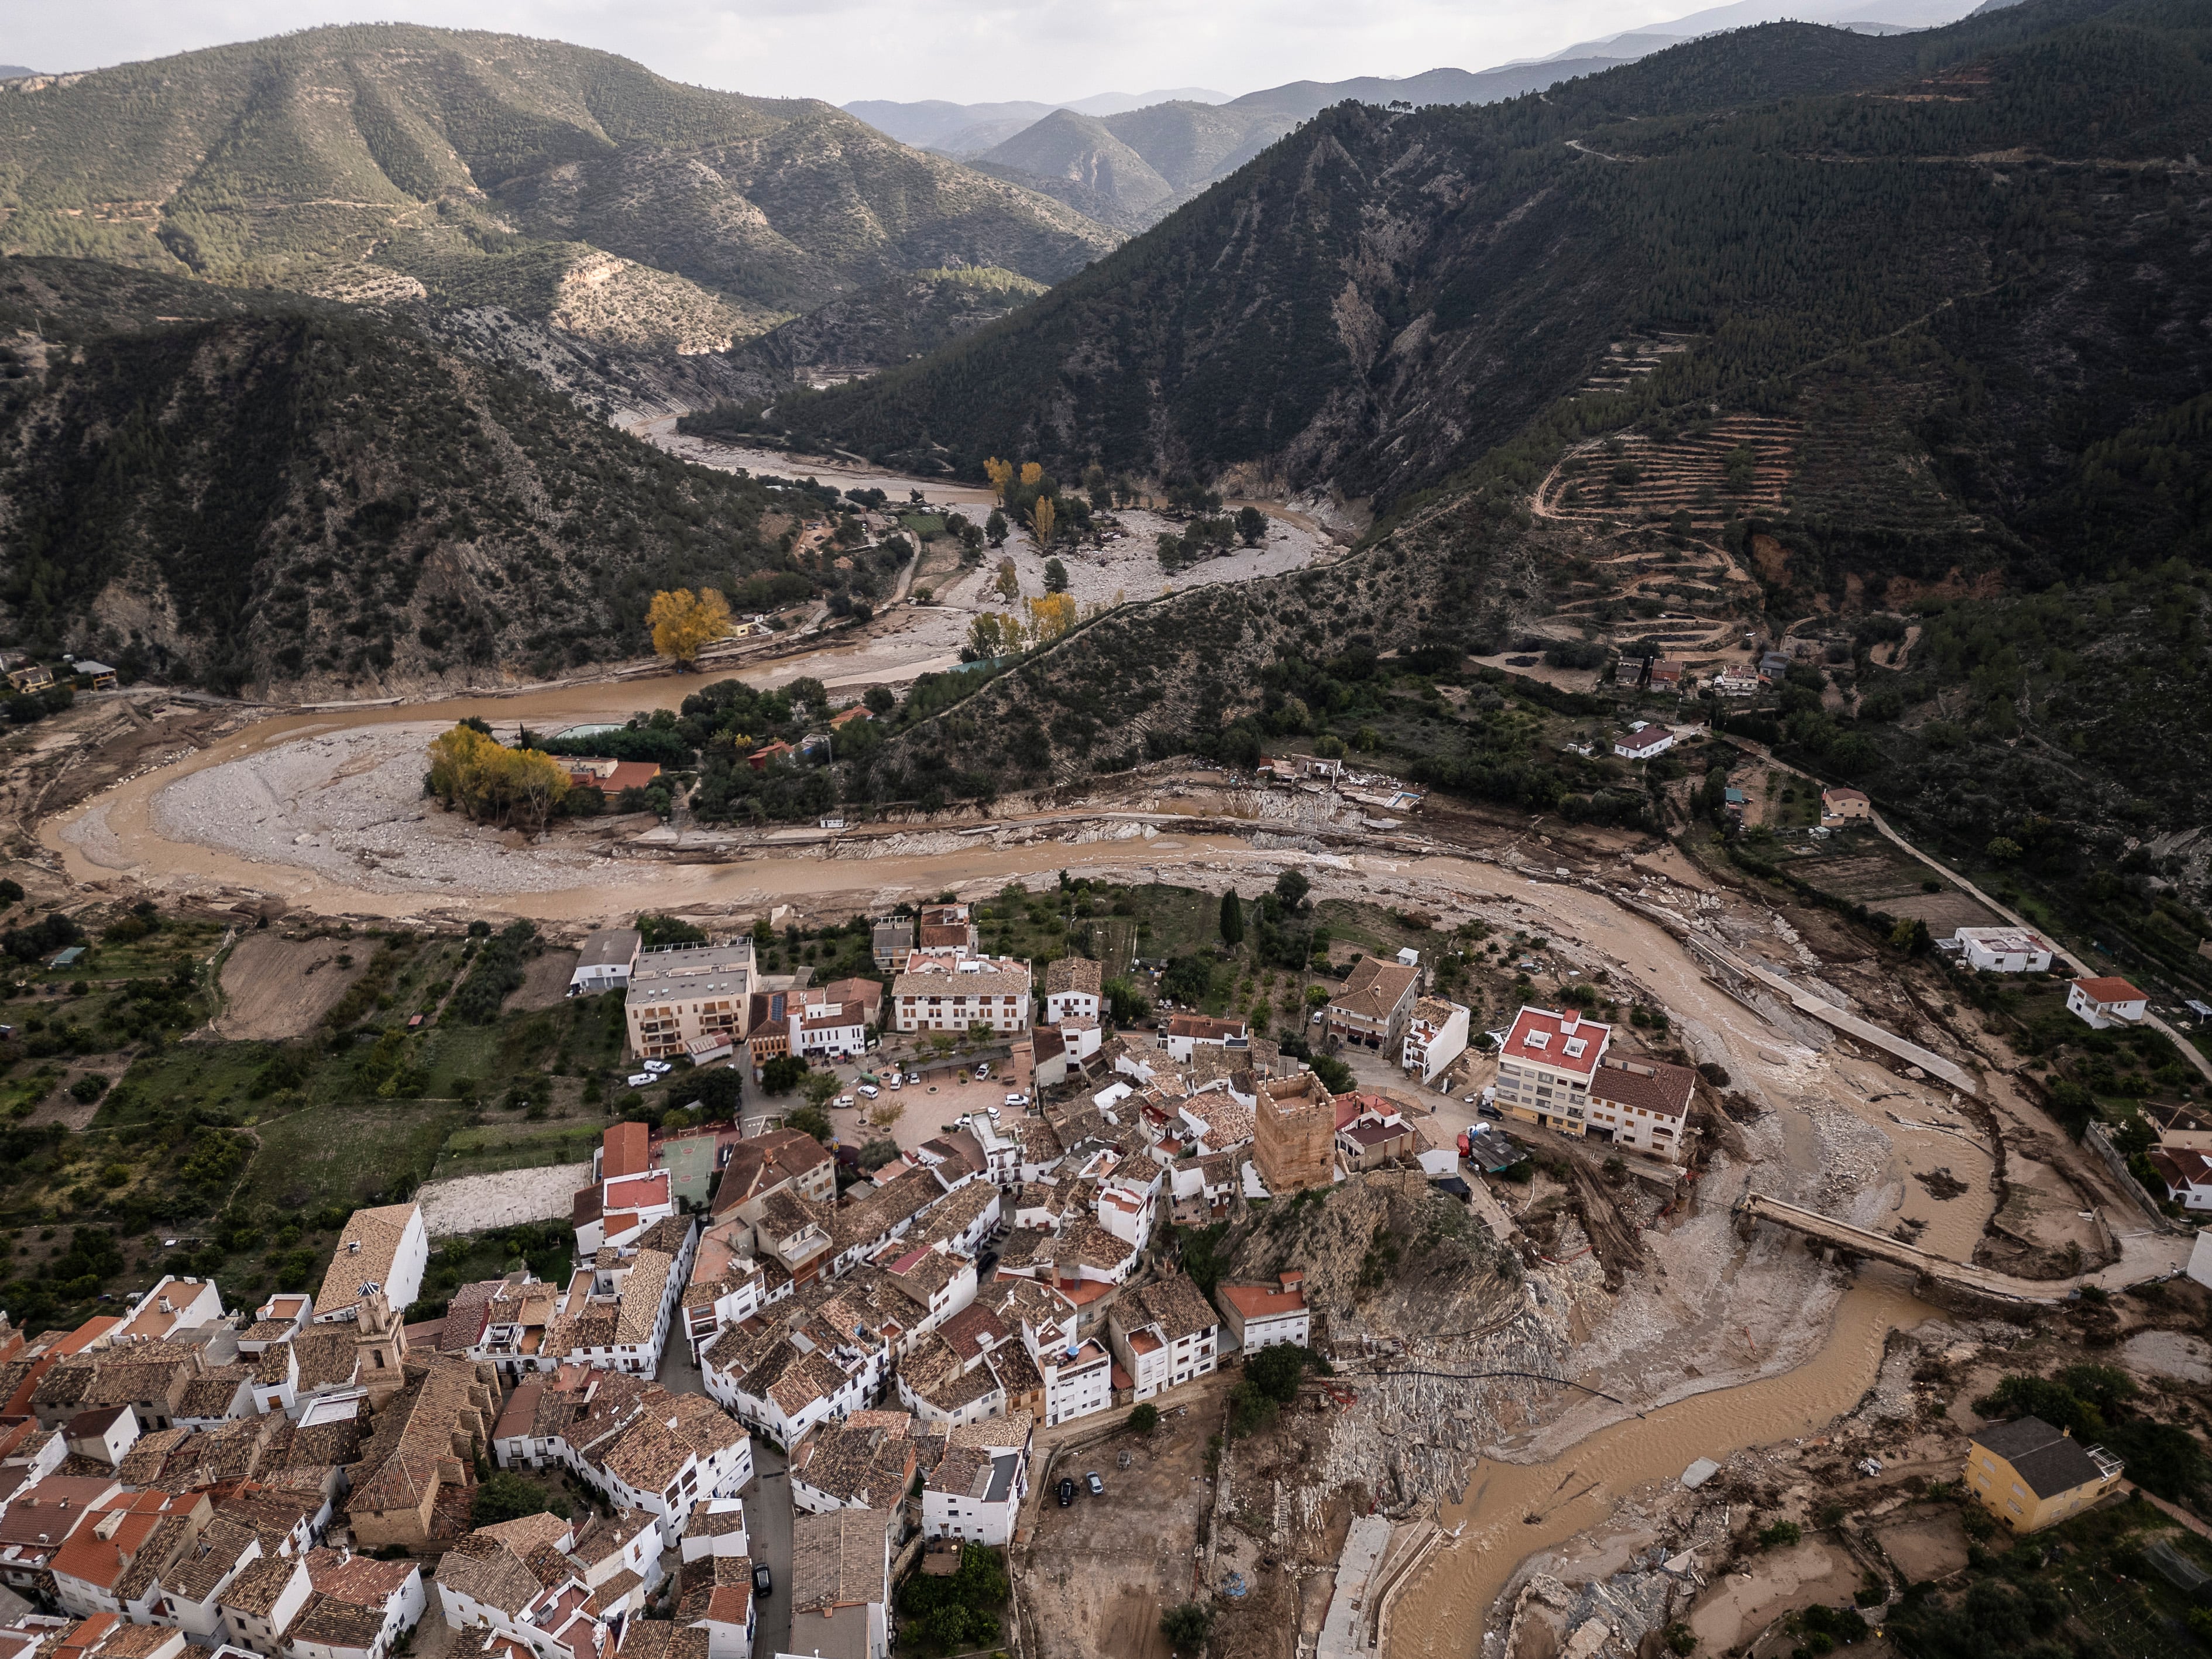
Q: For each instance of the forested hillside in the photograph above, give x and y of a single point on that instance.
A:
(237, 489)
(390, 160)
(1381, 300)
(1947, 295)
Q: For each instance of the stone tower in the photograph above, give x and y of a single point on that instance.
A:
(379, 1343)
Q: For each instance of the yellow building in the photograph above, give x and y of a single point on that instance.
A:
(2030, 1476)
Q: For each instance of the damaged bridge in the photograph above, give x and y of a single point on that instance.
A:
(1938, 1274)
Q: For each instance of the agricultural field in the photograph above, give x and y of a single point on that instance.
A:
(215, 1099)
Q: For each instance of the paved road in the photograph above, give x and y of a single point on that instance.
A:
(767, 1527)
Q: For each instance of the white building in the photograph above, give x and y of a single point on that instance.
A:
(2187, 1175)
(1643, 1104)
(1072, 988)
(1263, 1316)
(1163, 1333)
(973, 1494)
(833, 1031)
(1643, 741)
(381, 1249)
(952, 993)
(1435, 1035)
(2004, 950)
(2106, 1002)
(1078, 1379)
(1188, 1032)
(605, 961)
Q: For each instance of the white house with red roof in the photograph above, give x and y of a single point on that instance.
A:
(2187, 1175)
(1643, 741)
(627, 1194)
(2107, 1001)
(1262, 1315)
(1545, 1068)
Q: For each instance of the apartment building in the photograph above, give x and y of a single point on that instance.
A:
(1545, 1068)
(944, 992)
(688, 998)
(1643, 1103)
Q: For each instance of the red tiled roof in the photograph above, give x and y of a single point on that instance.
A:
(638, 1191)
(1532, 1023)
(624, 1150)
(2110, 987)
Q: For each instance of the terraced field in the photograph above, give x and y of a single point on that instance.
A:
(1728, 468)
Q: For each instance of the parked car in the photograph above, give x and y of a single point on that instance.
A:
(892, 1081)
(843, 1103)
(982, 1070)
(1488, 1111)
(994, 1113)
(763, 1581)
(639, 1079)
(1018, 1100)
(914, 1077)
(658, 1067)
(1066, 1490)
(1097, 1486)
(869, 1092)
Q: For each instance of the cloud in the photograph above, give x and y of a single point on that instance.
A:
(841, 50)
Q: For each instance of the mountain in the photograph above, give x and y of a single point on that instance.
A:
(14, 71)
(245, 489)
(1376, 300)
(1896, 340)
(388, 161)
(932, 122)
(1301, 101)
(1082, 150)
(879, 328)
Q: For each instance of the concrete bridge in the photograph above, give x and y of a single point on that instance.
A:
(1936, 1273)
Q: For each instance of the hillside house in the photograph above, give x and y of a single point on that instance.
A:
(2004, 950)
(1374, 1004)
(1263, 1316)
(2187, 1175)
(2031, 1475)
(2107, 1001)
(1643, 741)
(1841, 806)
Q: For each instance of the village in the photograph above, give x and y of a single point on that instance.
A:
(1120, 1347)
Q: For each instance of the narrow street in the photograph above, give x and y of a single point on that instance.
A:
(767, 1525)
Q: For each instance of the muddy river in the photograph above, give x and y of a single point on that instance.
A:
(1513, 1510)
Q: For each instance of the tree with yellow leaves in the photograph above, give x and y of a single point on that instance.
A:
(1050, 617)
(684, 622)
(1009, 583)
(477, 775)
(1001, 474)
(1032, 473)
(1041, 518)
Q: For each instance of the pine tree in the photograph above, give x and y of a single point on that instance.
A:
(1232, 919)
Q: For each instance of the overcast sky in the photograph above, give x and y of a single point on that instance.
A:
(967, 50)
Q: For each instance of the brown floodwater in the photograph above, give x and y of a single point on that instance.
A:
(1513, 1510)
